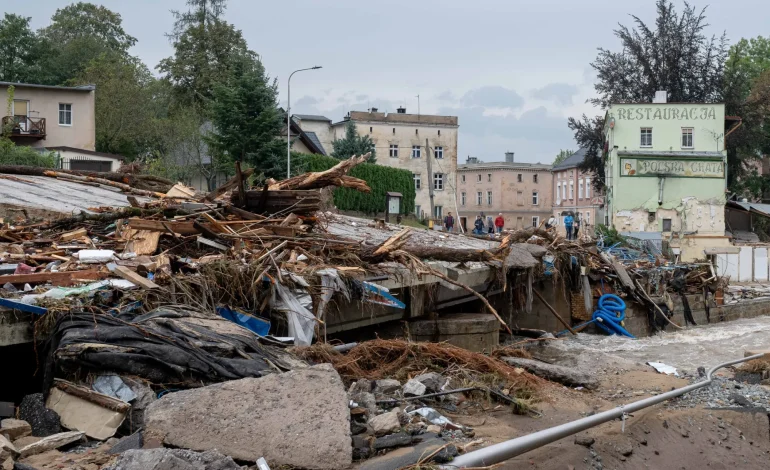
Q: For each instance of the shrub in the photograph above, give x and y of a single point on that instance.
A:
(12, 154)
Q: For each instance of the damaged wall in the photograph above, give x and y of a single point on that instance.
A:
(688, 214)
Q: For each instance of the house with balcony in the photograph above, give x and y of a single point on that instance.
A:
(45, 116)
(576, 194)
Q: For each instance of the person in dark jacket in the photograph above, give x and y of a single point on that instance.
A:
(478, 226)
(449, 222)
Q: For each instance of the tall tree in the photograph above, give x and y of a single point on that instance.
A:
(353, 144)
(206, 51)
(562, 155)
(21, 51)
(246, 120)
(674, 55)
(125, 123)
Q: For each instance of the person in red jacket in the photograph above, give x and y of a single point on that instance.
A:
(499, 222)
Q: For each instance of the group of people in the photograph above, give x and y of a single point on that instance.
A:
(491, 227)
(571, 225)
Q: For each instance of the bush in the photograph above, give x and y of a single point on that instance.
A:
(11, 154)
(381, 179)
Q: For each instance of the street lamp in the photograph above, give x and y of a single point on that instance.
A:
(288, 120)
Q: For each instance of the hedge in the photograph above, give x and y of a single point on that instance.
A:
(12, 154)
(381, 179)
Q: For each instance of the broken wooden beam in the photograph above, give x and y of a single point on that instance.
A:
(66, 278)
(131, 276)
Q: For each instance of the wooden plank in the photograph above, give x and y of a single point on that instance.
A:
(625, 279)
(181, 191)
(212, 243)
(79, 233)
(244, 214)
(182, 227)
(145, 241)
(129, 275)
(66, 278)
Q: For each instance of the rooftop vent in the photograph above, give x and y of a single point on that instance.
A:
(508, 157)
(401, 110)
(373, 110)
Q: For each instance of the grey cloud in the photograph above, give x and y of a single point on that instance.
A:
(361, 97)
(446, 96)
(493, 96)
(560, 93)
(306, 100)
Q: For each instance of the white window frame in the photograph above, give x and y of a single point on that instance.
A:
(580, 189)
(416, 151)
(438, 181)
(417, 181)
(438, 152)
(572, 189)
(564, 191)
(489, 198)
(479, 198)
(558, 190)
(463, 198)
(644, 131)
(588, 218)
(393, 151)
(535, 221)
(692, 137)
(64, 124)
(535, 198)
(588, 188)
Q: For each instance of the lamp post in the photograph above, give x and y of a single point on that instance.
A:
(288, 120)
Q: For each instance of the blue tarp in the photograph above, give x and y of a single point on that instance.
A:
(260, 326)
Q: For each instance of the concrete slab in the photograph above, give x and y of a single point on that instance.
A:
(473, 331)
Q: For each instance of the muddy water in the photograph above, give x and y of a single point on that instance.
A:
(685, 349)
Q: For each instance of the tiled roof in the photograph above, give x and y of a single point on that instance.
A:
(573, 161)
(314, 138)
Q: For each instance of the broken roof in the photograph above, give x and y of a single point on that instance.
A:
(51, 194)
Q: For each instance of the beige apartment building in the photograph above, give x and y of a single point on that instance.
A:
(522, 192)
(50, 116)
(574, 193)
(425, 145)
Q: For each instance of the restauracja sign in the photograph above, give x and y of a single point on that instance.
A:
(691, 113)
(686, 168)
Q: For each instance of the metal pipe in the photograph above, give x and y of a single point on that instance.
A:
(507, 450)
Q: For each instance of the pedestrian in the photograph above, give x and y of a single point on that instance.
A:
(499, 222)
(551, 223)
(568, 221)
(449, 222)
(490, 225)
(478, 226)
(576, 228)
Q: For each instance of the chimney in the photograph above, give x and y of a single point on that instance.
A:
(347, 117)
(373, 110)
(660, 97)
(401, 110)
(471, 160)
(508, 157)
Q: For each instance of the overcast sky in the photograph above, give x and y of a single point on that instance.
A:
(512, 70)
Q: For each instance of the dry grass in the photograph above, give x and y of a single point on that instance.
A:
(511, 351)
(756, 366)
(379, 359)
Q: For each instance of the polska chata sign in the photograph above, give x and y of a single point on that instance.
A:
(672, 167)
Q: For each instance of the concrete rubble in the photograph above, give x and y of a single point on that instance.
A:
(252, 418)
(53, 441)
(555, 373)
(173, 459)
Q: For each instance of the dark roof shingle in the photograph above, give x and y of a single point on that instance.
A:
(573, 161)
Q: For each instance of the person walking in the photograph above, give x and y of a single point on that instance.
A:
(500, 222)
(478, 226)
(449, 222)
(576, 227)
(490, 225)
(568, 221)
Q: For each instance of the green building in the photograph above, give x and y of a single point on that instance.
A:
(666, 172)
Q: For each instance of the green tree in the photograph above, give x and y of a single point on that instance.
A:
(561, 156)
(246, 120)
(78, 34)
(20, 50)
(124, 121)
(207, 49)
(353, 144)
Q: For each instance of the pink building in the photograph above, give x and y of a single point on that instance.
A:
(573, 191)
(522, 192)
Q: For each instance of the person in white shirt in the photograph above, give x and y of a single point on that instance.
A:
(551, 223)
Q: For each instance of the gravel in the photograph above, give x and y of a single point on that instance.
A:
(724, 393)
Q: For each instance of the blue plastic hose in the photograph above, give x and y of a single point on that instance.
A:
(610, 315)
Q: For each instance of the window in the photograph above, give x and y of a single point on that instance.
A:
(438, 181)
(416, 151)
(564, 190)
(646, 137)
(580, 189)
(394, 131)
(370, 130)
(534, 178)
(417, 181)
(439, 132)
(489, 177)
(438, 211)
(588, 218)
(518, 177)
(478, 198)
(415, 132)
(489, 198)
(535, 221)
(534, 198)
(666, 225)
(418, 212)
(571, 189)
(438, 152)
(478, 178)
(462, 198)
(65, 114)
(588, 188)
(394, 150)
(462, 178)
(558, 190)
(687, 137)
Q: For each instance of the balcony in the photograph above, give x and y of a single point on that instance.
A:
(24, 127)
